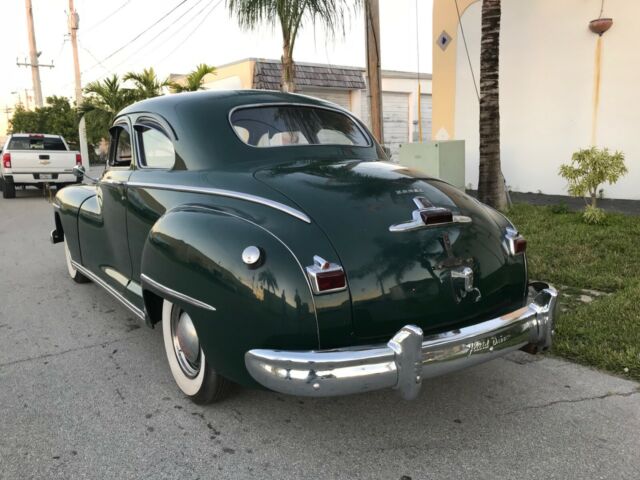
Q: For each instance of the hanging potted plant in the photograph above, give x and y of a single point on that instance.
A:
(600, 24)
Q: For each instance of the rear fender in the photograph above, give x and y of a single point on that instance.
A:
(193, 257)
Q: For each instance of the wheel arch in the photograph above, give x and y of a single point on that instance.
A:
(193, 257)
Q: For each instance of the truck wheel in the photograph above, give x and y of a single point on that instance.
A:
(8, 188)
(73, 272)
(189, 367)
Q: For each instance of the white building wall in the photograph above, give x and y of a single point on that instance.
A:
(546, 90)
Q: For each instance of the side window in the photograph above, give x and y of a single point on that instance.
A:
(156, 150)
(120, 155)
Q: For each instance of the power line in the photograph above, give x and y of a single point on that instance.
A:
(100, 22)
(464, 39)
(94, 57)
(135, 52)
(192, 31)
(182, 2)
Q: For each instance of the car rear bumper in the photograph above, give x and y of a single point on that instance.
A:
(42, 177)
(408, 357)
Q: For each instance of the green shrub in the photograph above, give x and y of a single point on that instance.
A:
(559, 208)
(593, 215)
(590, 168)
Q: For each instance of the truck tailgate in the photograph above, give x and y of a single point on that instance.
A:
(42, 161)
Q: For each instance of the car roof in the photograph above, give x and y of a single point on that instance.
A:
(228, 99)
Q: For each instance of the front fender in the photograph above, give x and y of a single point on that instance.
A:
(67, 206)
(197, 251)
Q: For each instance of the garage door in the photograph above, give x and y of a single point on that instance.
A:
(427, 116)
(339, 97)
(395, 117)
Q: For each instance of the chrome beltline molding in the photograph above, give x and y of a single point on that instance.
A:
(175, 294)
(226, 193)
(88, 273)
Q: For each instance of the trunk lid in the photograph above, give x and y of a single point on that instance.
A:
(400, 278)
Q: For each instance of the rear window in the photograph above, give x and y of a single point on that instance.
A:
(36, 143)
(286, 125)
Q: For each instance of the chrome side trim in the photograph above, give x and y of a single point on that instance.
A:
(88, 273)
(175, 294)
(408, 357)
(226, 193)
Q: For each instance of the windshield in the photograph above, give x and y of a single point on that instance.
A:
(36, 143)
(284, 125)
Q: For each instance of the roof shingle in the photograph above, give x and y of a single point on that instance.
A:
(267, 76)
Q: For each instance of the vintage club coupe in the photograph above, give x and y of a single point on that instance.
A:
(278, 247)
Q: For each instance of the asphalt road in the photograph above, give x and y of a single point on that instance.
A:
(85, 392)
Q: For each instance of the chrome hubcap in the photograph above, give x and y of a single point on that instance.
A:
(186, 344)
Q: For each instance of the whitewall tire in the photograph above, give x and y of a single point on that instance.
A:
(187, 362)
(73, 271)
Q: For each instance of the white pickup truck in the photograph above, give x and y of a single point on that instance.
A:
(36, 159)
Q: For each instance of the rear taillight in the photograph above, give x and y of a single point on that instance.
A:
(435, 216)
(6, 160)
(520, 245)
(326, 277)
(78, 159)
(516, 243)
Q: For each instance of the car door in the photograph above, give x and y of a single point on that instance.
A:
(102, 224)
(155, 160)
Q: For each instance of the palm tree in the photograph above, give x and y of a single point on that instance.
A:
(147, 83)
(491, 182)
(102, 102)
(292, 15)
(193, 81)
(107, 96)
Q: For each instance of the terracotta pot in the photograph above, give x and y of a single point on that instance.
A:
(600, 25)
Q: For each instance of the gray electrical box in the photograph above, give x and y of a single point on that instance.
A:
(441, 159)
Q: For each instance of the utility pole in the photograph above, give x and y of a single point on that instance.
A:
(372, 22)
(33, 55)
(74, 24)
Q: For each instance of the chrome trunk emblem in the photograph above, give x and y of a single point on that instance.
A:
(462, 280)
(465, 274)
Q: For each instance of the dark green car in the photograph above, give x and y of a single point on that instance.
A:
(278, 247)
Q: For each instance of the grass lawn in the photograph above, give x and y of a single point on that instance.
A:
(564, 251)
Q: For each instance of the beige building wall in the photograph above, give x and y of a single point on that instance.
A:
(547, 63)
(235, 76)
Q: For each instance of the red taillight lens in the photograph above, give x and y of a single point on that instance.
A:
(78, 159)
(330, 280)
(433, 216)
(6, 160)
(519, 245)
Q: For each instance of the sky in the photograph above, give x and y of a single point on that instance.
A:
(195, 32)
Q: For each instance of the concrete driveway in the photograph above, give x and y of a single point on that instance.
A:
(85, 392)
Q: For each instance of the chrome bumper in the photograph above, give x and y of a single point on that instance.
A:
(408, 357)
